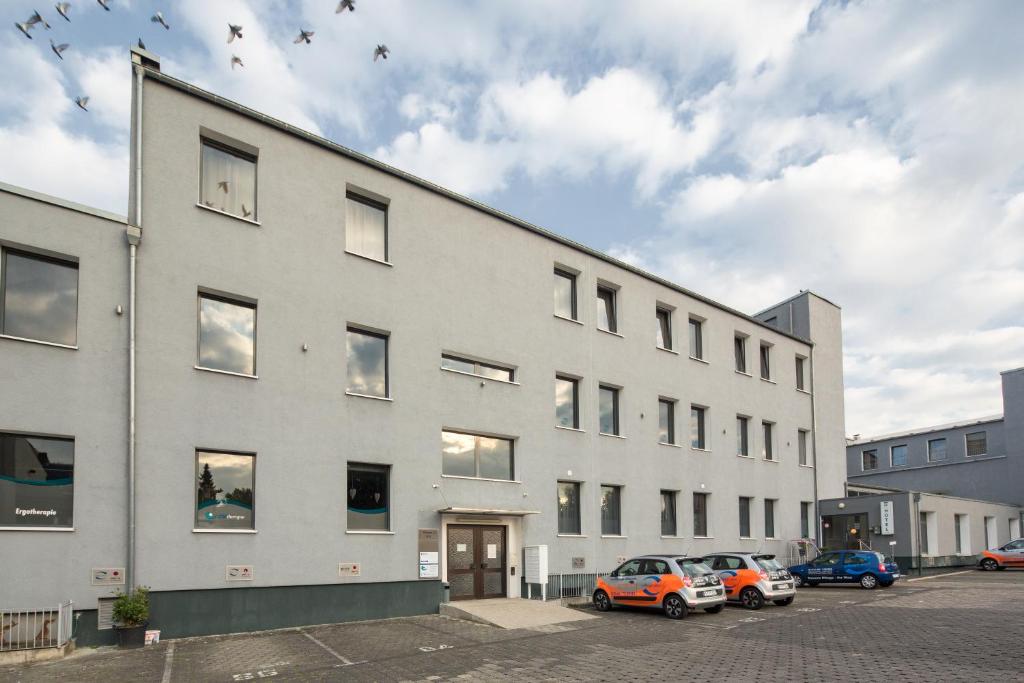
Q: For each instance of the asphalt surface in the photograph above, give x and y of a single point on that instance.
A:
(964, 627)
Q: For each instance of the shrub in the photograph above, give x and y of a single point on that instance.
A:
(132, 608)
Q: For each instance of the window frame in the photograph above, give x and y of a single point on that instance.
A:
(353, 195)
(744, 519)
(207, 138)
(768, 450)
(370, 467)
(874, 455)
(575, 381)
(617, 488)
(801, 372)
(663, 316)
(195, 490)
(769, 518)
(765, 360)
(352, 328)
(892, 455)
(695, 331)
(74, 458)
(476, 454)
(802, 450)
(699, 414)
(572, 277)
(967, 443)
(241, 302)
(703, 514)
(67, 262)
(743, 436)
(616, 409)
(739, 349)
(578, 488)
(672, 497)
(806, 509)
(608, 296)
(511, 370)
(945, 449)
(671, 426)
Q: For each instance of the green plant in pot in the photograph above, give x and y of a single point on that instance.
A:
(131, 616)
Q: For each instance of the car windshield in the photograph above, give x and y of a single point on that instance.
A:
(769, 563)
(693, 567)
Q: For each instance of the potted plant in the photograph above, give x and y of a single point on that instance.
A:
(131, 616)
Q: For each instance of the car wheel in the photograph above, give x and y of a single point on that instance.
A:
(675, 607)
(798, 581)
(751, 598)
(602, 602)
(989, 565)
(783, 602)
(869, 581)
(714, 610)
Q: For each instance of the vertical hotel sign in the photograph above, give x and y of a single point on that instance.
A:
(887, 521)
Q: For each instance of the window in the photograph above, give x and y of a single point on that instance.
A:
(367, 363)
(476, 367)
(696, 338)
(744, 517)
(959, 527)
(565, 294)
(611, 513)
(369, 506)
(768, 448)
(697, 437)
(739, 344)
(728, 562)
(668, 513)
(769, 518)
(606, 309)
(801, 446)
(869, 460)
(766, 361)
(37, 481)
(228, 180)
(568, 508)
(923, 530)
(742, 437)
(700, 514)
(567, 402)
(609, 410)
(664, 317)
(654, 567)
(472, 455)
(666, 421)
(805, 520)
(227, 335)
(631, 568)
(800, 373)
(936, 450)
(224, 490)
(898, 456)
(977, 443)
(38, 298)
(366, 227)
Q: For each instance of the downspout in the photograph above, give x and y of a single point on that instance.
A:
(134, 234)
(814, 453)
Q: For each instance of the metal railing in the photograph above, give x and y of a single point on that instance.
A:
(568, 586)
(29, 629)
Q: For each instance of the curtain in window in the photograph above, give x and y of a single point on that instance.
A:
(365, 229)
(568, 508)
(611, 523)
(229, 182)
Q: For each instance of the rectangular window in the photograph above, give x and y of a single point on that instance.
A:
(739, 345)
(476, 367)
(472, 455)
(922, 525)
(766, 361)
(898, 456)
(668, 513)
(869, 460)
(666, 421)
(568, 508)
(606, 309)
(742, 437)
(38, 298)
(769, 518)
(936, 450)
(227, 335)
(977, 443)
(744, 517)
(369, 506)
(37, 481)
(697, 437)
(224, 490)
(696, 338)
(366, 227)
(958, 530)
(800, 373)
(367, 363)
(768, 448)
(801, 446)
(565, 294)
(805, 520)
(609, 410)
(700, 514)
(228, 180)
(664, 317)
(611, 513)
(567, 402)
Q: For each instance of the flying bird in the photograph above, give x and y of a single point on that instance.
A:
(234, 32)
(24, 29)
(235, 59)
(381, 51)
(158, 18)
(37, 18)
(223, 185)
(105, 4)
(349, 5)
(57, 49)
(81, 102)
(142, 44)
(304, 35)
(245, 212)
(63, 8)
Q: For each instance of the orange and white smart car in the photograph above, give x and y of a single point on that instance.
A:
(752, 578)
(1010, 555)
(676, 585)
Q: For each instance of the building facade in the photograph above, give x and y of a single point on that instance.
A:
(306, 387)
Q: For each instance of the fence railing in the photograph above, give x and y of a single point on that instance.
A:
(567, 586)
(28, 629)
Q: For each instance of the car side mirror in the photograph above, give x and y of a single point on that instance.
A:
(614, 575)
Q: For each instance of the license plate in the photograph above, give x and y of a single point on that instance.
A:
(708, 594)
(782, 586)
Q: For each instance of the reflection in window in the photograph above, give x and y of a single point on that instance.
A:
(898, 456)
(936, 450)
(769, 518)
(367, 363)
(768, 449)
(366, 227)
(224, 493)
(766, 361)
(742, 438)
(227, 335)
(666, 421)
(568, 507)
(696, 338)
(39, 299)
(611, 513)
(664, 317)
(668, 513)
(697, 435)
(800, 373)
(567, 400)
(609, 410)
(740, 351)
(565, 294)
(744, 517)
(475, 367)
(37, 482)
(700, 514)
(805, 520)
(869, 460)
(606, 309)
(471, 455)
(228, 181)
(368, 504)
(801, 444)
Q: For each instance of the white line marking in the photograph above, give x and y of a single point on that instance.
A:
(345, 661)
(168, 660)
(939, 576)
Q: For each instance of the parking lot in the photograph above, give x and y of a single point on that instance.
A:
(965, 626)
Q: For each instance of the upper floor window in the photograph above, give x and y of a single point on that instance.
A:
(228, 180)
(227, 334)
(805, 519)
(37, 481)
(696, 338)
(742, 435)
(606, 313)
(39, 298)
(567, 402)
(697, 432)
(801, 446)
(565, 294)
(366, 227)
(739, 345)
(666, 421)
(609, 410)
(368, 363)
(766, 361)
(368, 498)
(224, 490)
(664, 317)
(476, 367)
(768, 449)
(869, 460)
(800, 381)
(898, 456)
(472, 455)
(936, 450)
(977, 443)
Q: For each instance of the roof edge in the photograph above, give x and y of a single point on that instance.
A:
(926, 430)
(62, 203)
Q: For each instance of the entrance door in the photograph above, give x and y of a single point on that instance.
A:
(476, 561)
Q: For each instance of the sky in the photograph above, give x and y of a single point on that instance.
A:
(872, 152)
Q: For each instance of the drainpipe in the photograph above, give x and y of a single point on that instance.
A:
(814, 452)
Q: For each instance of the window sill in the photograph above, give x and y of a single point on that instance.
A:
(571, 429)
(662, 348)
(673, 537)
(614, 436)
(745, 457)
(500, 481)
(748, 538)
(250, 221)
(700, 450)
(670, 445)
(769, 380)
(568, 320)
(225, 372)
(700, 360)
(389, 264)
(613, 536)
(369, 533)
(770, 460)
(810, 467)
(473, 374)
(803, 391)
(614, 334)
(772, 538)
(224, 531)
(37, 528)
(39, 341)
(703, 537)
(375, 398)
(572, 536)
(745, 374)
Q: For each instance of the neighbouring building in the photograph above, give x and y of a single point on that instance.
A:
(296, 385)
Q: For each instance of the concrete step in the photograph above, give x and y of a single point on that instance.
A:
(512, 613)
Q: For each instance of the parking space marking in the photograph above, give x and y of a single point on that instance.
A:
(939, 576)
(427, 648)
(168, 663)
(345, 661)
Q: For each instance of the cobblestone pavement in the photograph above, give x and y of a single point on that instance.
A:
(965, 627)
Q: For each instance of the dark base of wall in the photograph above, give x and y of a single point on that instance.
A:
(86, 634)
(938, 562)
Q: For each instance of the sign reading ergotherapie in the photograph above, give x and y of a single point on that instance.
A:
(36, 481)
(887, 521)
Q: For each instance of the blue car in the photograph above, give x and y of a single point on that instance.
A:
(865, 567)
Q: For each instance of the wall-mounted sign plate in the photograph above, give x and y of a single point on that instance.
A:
(238, 572)
(347, 569)
(579, 562)
(107, 576)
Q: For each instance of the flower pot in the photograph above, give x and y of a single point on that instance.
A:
(131, 636)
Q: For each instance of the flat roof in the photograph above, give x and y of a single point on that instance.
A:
(150, 69)
(63, 203)
(924, 430)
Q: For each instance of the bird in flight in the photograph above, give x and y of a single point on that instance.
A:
(381, 51)
(63, 8)
(158, 18)
(304, 35)
(349, 5)
(245, 212)
(235, 59)
(105, 4)
(37, 18)
(234, 32)
(24, 29)
(81, 102)
(223, 185)
(142, 44)
(57, 49)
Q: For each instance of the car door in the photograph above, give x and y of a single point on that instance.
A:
(622, 581)
(728, 567)
(651, 582)
(855, 565)
(1013, 553)
(825, 568)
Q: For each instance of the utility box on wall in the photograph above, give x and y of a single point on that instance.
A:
(535, 569)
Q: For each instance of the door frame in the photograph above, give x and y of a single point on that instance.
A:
(513, 544)
(477, 571)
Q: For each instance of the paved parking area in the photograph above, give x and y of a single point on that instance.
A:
(965, 627)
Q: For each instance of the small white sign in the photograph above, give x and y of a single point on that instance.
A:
(348, 569)
(460, 547)
(108, 576)
(238, 572)
(428, 571)
(492, 551)
(887, 521)
(428, 558)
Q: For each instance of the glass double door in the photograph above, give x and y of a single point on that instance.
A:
(476, 561)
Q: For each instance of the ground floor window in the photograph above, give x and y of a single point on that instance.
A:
(224, 492)
(700, 514)
(568, 507)
(668, 513)
(611, 510)
(368, 500)
(37, 483)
